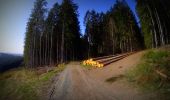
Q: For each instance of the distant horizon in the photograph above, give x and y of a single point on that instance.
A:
(11, 53)
(13, 26)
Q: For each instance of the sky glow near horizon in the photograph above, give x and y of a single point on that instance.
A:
(14, 15)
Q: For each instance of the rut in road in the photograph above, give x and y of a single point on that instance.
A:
(75, 84)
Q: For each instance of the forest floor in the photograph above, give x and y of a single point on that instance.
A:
(108, 83)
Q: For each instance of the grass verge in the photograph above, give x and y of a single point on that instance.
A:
(144, 74)
(25, 84)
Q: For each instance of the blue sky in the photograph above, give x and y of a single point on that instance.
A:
(14, 15)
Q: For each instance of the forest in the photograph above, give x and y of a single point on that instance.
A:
(54, 37)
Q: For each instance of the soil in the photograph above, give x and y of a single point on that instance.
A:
(78, 83)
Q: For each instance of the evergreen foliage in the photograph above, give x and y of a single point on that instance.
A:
(114, 32)
(155, 21)
(56, 38)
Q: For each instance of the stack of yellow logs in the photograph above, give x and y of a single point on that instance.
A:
(92, 63)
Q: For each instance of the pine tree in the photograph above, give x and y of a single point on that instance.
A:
(52, 35)
(114, 32)
(154, 20)
(35, 28)
(70, 31)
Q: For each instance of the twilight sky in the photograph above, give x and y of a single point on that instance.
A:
(14, 15)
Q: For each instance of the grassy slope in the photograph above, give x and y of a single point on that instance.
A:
(25, 84)
(144, 74)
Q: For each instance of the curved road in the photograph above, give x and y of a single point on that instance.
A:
(74, 84)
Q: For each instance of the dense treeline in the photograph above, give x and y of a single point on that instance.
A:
(54, 39)
(114, 32)
(155, 21)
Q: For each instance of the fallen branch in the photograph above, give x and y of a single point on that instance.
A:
(162, 74)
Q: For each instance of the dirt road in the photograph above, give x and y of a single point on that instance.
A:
(77, 83)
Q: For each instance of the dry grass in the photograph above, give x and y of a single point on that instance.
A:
(144, 73)
(25, 84)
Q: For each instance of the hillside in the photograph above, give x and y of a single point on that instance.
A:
(8, 61)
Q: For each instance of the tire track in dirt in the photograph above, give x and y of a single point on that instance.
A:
(75, 84)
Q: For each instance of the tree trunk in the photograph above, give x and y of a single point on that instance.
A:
(57, 52)
(40, 53)
(33, 60)
(131, 48)
(46, 49)
(31, 52)
(48, 59)
(62, 44)
(160, 28)
(153, 23)
(51, 47)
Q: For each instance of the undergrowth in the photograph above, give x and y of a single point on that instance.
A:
(145, 75)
